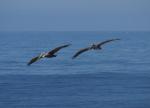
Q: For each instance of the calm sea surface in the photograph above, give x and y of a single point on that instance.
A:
(116, 77)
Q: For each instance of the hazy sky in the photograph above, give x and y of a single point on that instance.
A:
(75, 15)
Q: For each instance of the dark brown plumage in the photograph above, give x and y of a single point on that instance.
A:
(104, 42)
(50, 54)
(81, 51)
(33, 60)
(94, 47)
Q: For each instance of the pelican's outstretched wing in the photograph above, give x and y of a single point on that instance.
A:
(57, 49)
(33, 60)
(81, 51)
(106, 42)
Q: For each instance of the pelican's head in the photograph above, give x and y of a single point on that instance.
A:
(42, 55)
(93, 46)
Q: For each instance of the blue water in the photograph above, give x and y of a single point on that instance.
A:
(116, 77)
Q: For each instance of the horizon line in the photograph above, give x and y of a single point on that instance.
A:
(74, 30)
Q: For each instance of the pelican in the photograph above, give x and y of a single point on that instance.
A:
(49, 54)
(93, 47)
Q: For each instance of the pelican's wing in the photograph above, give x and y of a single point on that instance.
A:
(81, 51)
(58, 48)
(33, 60)
(106, 42)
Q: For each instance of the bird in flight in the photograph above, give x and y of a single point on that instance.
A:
(93, 47)
(49, 54)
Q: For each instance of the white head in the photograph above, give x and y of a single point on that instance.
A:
(42, 55)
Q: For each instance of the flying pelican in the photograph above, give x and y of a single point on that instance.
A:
(93, 46)
(49, 54)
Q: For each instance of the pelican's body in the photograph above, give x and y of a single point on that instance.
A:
(49, 54)
(93, 47)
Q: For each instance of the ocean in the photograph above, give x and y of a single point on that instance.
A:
(118, 76)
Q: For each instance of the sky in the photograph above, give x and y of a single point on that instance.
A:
(75, 15)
